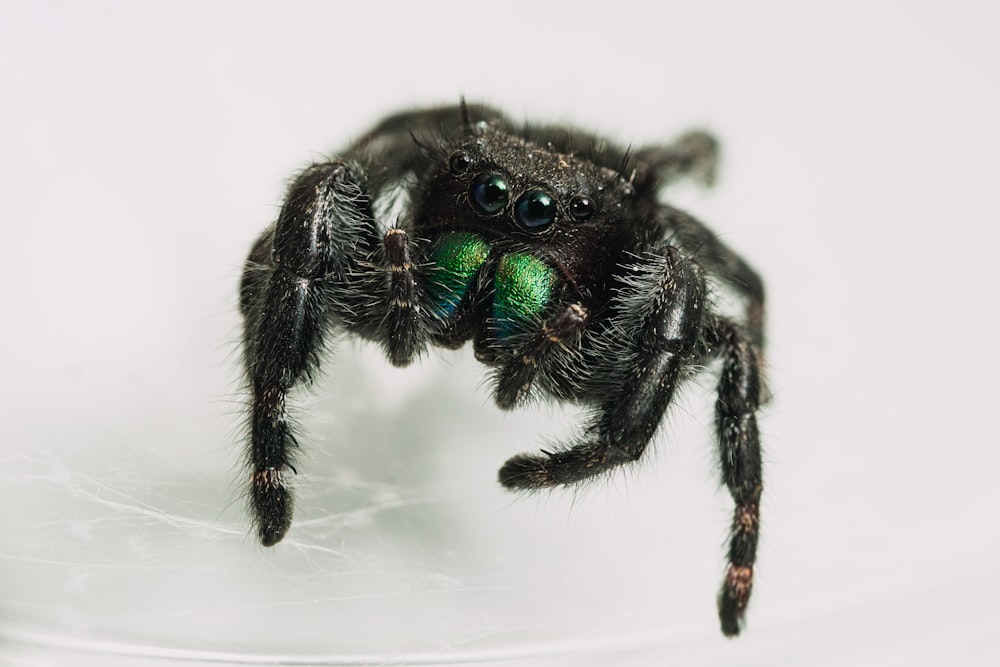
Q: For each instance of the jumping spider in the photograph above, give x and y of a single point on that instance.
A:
(548, 248)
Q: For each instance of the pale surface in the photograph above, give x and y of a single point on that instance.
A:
(141, 151)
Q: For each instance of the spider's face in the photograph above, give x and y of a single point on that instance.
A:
(538, 221)
(502, 187)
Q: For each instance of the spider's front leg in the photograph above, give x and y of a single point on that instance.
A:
(294, 276)
(658, 321)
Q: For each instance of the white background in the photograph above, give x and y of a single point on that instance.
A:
(142, 148)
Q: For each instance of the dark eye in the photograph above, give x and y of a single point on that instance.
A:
(536, 209)
(581, 208)
(488, 193)
(459, 162)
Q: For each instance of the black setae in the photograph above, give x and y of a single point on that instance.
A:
(547, 247)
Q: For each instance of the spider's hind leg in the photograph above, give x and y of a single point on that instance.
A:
(693, 154)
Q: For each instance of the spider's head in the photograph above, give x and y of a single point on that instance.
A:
(506, 187)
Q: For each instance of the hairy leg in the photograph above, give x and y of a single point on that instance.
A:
(739, 395)
(660, 313)
(693, 154)
(287, 297)
(719, 259)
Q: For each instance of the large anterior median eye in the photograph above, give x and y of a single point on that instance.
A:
(489, 193)
(536, 210)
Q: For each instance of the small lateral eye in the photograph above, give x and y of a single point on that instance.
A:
(581, 208)
(459, 162)
(489, 193)
(536, 210)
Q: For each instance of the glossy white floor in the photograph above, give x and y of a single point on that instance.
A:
(142, 151)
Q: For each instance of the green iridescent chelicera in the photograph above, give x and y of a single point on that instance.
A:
(523, 287)
(457, 256)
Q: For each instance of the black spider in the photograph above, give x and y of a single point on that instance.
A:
(550, 250)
